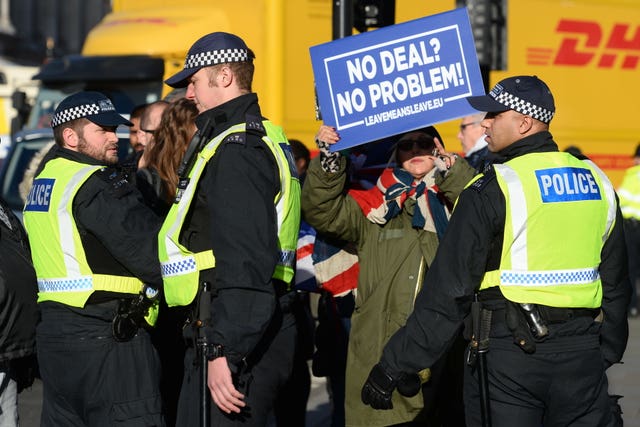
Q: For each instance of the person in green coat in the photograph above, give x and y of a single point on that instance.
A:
(396, 226)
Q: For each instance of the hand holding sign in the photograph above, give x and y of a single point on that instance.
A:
(327, 134)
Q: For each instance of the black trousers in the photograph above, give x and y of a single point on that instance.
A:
(167, 339)
(88, 378)
(562, 387)
(269, 369)
(290, 408)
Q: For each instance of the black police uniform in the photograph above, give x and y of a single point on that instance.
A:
(233, 213)
(88, 377)
(565, 377)
(19, 313)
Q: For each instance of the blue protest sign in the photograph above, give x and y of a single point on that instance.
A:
(397, 78)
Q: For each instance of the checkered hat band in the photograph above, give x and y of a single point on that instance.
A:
(523, 107)
(214, 57)
(73, 113)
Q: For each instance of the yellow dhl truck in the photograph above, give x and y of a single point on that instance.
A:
(588, 51)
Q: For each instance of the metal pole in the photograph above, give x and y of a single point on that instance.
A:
(483, 348)
(485, 407)
(341, 26)
(481, 319)
(203, 320)
(342, 18)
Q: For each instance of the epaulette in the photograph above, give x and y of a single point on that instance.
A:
(253, 126)
(480, 183)
(235, 138)
(119, 185)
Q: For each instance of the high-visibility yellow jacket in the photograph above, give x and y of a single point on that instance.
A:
(59, 258)
(181, 267)
(629, 193)
(542, 191)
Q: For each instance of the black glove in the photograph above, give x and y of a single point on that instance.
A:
(379, 386)
(24, 371)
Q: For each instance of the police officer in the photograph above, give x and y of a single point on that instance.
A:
(18, 316)
(629, 192)
(95, 257)
(539, 238)
(231, 235)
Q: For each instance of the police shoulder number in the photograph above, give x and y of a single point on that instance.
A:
(483, 179)
(117, 180)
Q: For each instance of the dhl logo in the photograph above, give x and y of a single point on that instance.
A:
(612, 161)
(587, 43)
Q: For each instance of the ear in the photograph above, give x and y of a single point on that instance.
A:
(70, 138)
(301, 165)
(225, 76)
(526, 125)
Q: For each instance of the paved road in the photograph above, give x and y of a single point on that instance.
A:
(318, 412)
(624, 379)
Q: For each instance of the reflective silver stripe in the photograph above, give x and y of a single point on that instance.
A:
(629, 195)
(179, 263)
(518, 209)
(282, 162)
(581, 276)
(276, 150)
(174, 254)
(611, 199)
(66, 223)
(75, 284)
(630, 212)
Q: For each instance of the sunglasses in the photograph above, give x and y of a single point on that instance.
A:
(422, 145)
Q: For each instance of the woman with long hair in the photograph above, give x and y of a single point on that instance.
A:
(158, 179)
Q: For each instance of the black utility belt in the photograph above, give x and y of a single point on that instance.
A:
(554, 314)
(551, 315)
(561, 315)
(101, 297)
